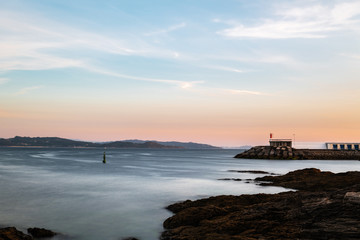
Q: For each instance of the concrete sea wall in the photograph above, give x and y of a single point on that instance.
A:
(268, 152)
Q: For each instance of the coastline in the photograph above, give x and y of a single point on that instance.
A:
(325, 206)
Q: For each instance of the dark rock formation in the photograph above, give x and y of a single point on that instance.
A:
(312, 179)
(11, 233)
(326, 207)
(230, 179)
(268, 152)
(250, 171)
(41, 232)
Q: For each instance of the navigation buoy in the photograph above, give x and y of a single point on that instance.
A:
(104, 158)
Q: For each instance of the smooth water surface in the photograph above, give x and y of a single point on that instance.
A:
(72, 192)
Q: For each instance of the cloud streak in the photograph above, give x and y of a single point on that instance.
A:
(179, 83)
(309, 22)
(26, 90)
(228, 69)
(186, 85)
(235, 91)
(27, 52)
(166, 30)
(31, 43)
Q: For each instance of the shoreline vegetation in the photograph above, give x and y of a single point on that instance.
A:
(325, 206)
(288, 153)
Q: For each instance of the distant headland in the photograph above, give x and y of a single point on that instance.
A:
(68, 143)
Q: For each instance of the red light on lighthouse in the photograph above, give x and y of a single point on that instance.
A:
(271, 135)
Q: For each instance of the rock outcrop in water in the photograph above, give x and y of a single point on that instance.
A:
(41, 232)
(284, 152)
(327, 206)
(11, 233)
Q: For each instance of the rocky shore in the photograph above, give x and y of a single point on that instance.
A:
(326, 206)
(11, 233)
(287, 153)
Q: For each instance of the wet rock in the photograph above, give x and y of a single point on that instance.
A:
(352, 197)
(250, 171)
(41, 232)
(11, 233)
(312, 179)
(326, 207)
(197, 214)
(230, 179)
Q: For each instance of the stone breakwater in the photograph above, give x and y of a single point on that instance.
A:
(327, 206)
(268, 152)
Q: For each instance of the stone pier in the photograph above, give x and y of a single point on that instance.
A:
(288, 153)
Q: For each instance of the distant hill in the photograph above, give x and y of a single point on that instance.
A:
(44, 141)
(245, 147)
(125, 144)
(186, 145)
(63, 142)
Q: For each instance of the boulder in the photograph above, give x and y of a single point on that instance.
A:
(41, 232)
(11, 233)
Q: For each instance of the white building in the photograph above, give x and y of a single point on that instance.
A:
(342, 146)
(280, 142)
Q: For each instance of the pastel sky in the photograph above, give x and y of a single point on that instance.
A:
(225, 73)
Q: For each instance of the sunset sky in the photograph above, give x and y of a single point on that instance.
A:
(225, 73)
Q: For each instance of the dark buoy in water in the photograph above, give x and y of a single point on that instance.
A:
(104, 158)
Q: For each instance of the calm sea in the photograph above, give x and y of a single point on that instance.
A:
(72, 192)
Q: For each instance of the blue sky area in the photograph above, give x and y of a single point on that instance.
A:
(221, 72)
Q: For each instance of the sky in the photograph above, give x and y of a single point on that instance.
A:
(226, 73)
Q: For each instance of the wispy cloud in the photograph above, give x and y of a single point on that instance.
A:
(309, 22)
(26, 90)
(179, 83)
(224, 92)
(228, 69)
(236, 91)
(194, 86)
(32, 42)
(21, 49)
(257, 57)
(166, 30)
